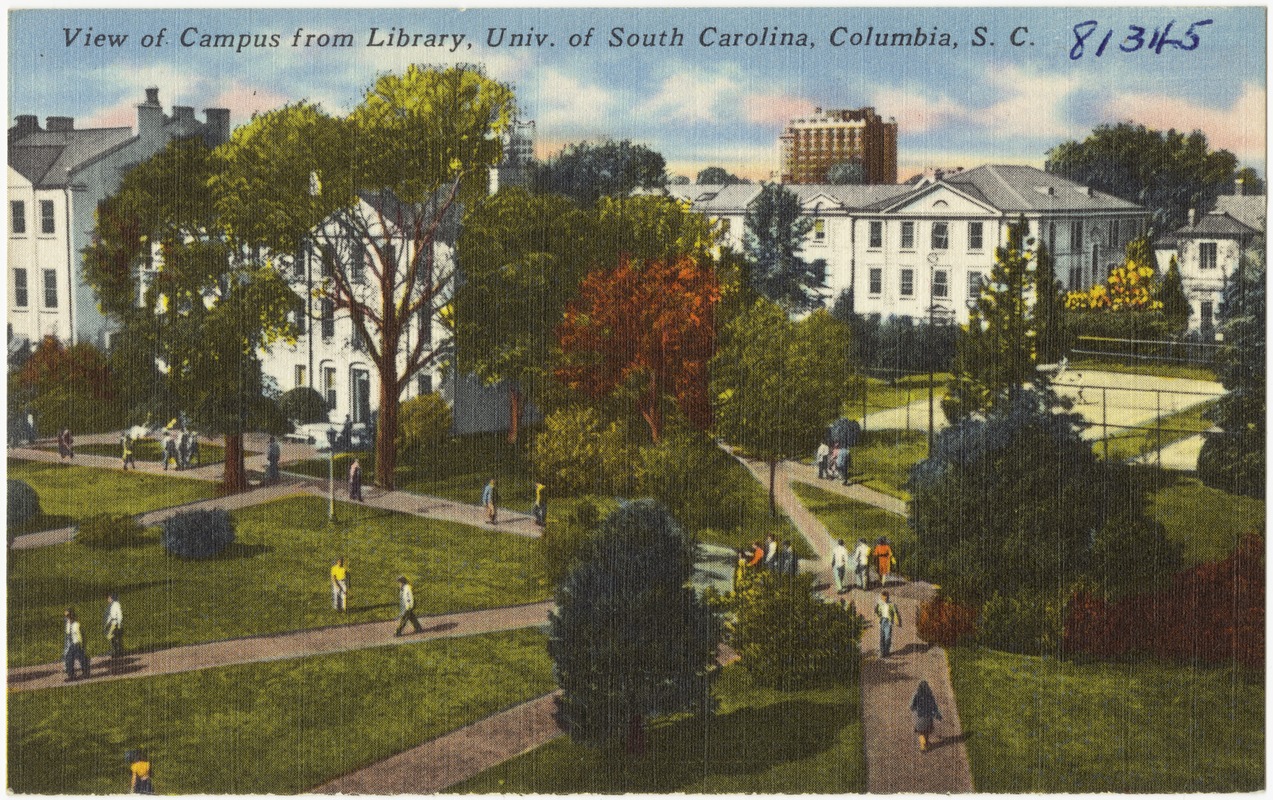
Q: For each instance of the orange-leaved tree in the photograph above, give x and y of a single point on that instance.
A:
(646, 327)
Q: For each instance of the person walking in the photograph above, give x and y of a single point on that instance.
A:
(840, 566)
(820, 458)
(490, 498)
(73, 647)
(843, 465)
(861, 564)
(757, 554)
(771, 552)
(126, 451)
(406, 607)
(882, 556)
(886, 613)
(924, 713)
(139, 770)
(65, 444)
(113, 625)
(272, 454)
(540, 508)
(170, 450)
(833, 461)
(192, 451)
(355, 481)
(340, 585)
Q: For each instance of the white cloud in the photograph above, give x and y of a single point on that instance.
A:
(690, 97)
(562, 104)
(1240, 127)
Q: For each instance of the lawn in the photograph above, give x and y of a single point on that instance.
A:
(760, 741)
(274, 578)
(1207, 521)
(850, 520)
(886, 457)
(151, 450)
(270, 728)
(1156, 369)
(883, 395)
(1039, 725)
(70, 493)
(1125, 445)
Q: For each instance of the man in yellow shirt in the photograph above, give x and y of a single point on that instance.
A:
(340, 584)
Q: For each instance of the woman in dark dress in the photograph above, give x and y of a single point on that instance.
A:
(924, 712)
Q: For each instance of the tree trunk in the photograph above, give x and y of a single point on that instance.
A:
(634, 742)
(387, 433)
(234, 476)
(514, 413)
(773, 501)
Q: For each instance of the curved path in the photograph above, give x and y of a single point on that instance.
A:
(894, 762)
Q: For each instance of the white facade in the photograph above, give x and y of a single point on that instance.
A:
(1208, 251)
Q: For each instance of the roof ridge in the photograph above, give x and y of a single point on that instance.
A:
(1006, 185)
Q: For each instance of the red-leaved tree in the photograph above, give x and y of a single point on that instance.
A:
(648, 327)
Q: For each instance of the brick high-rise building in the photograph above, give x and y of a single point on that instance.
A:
(812, 145)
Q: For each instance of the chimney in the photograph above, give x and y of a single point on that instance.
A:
(1241, 186)
(59, 124)
(1193, 217)
(25, 125)
(150, 116)
(218, 131)
(183, 114)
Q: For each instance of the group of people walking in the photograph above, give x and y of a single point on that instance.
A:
(863, 562)
(74, 656)
(834, 462)
(406, 597)
(180, 448)
(775, 557)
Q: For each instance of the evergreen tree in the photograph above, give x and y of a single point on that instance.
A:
(1175, 305)
(774, 237)
(1049, 308)
(630, 638)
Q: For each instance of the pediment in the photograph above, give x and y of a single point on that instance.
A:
(940, 200)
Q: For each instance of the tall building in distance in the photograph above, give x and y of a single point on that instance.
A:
(519, 155)
(811, 146)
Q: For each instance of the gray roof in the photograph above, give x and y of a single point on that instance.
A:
(1016, 189)
(49, 158)
(1250, 210)
(736, 198)
(1217, 225)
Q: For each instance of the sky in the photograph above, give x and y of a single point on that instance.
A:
(701, 100)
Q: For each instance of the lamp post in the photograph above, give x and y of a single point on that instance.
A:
(331, 474)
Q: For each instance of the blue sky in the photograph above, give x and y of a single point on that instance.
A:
(697, 105)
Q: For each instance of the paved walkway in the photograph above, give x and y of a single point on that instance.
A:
(1181, 455)
(894, 763)
(276, 647)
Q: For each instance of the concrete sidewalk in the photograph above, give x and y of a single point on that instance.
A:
(276, 647)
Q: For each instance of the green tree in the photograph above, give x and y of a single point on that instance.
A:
(995, 353)
(375, 194)
(774, 237)
(66, 387)
(586, 172)
(630, 637)
(1175, 304)
(208, 304)
(846, 173)
(1049, 308)
(718, 176)
(778, 383)
(1249, 181)
(522, 257)
(1168, 173)
(1235, 460)
(650, 228)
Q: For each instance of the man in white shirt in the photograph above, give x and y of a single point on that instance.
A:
(73, 647)
(406, 607)
(840, 566)
(114, 625)
(861, 558)
(824, 452)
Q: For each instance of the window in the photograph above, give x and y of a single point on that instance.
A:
(329, 386)
(1076, 236)
(1207, 255)
(356, 340)
(974, 285)
(877, 235)
(300, 375)
(1076, 278)
(17, 216)
(1051, 237)
(328, 257)
(907, 283)
(1206, 313)
(941, 236)
(975, 240)
(819, 230)
(20, 298)
(46, 216)
(908, 236)
(1113, 232)
(426, 326)
(941, 283)
(424, 383)
(50, 288)
(876, 280)
(300, 318)
(358, 266)
(328, 318)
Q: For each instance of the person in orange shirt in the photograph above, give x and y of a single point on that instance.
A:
(757, 554)
(883, 557)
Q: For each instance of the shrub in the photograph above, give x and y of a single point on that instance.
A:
(1029, 623)
(787, 636)
(24, 503)
(109, 531)
(697, 481)
(424, 423)
(1132, 554)
(944, 622)
(578, 452)
(303, 405)
(565, 544)
(197, 534)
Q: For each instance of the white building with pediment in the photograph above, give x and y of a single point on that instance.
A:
(923, 250)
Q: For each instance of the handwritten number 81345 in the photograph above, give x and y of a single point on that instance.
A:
(1138, 38)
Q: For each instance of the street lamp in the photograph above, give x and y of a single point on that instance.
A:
(331, 474)
(937, 316)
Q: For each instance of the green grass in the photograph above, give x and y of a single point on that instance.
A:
(1158, 370)
(1175, 427)
(883, 395)
(274, 578)
(71, 493)
(850, 520)
(760, 741)
(886, 458)
(1208, 522)
(1039, 725)
(150, 450)
(270, 728)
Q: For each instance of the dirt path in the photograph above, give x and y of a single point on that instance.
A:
(276, 647)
